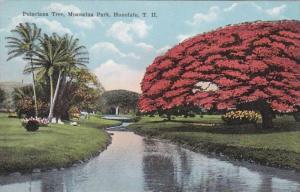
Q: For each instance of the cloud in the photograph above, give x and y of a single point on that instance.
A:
(211, 15)
(125, 32)
(145, 46)
(182, 37)
(257, 6)
(50, 25)
(118, 76)
(104, 48)
(163, 49)
(274, 12)
(58, 7)
(230, 8)
(84, 22)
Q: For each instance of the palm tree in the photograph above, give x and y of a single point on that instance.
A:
(24, 43)
(58, 55)
(77, 57)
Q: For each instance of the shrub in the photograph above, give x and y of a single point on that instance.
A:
(12, 115)
(240, 117)
(25, 107)
(74, 112)
(41, 121)
(32, 125)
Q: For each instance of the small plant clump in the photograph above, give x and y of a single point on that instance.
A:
(33, 124)
(240, 117)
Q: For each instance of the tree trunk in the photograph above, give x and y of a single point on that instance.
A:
(34, 91)
(117, 110)
(51, 89)
(50, 116)
(267, 116)
(169, 117)
(61, 100)
(297, 116)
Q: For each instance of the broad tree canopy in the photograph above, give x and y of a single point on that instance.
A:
(126, 100)
(251, 64)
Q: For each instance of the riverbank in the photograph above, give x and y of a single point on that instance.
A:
(279, 147)
(54, 146)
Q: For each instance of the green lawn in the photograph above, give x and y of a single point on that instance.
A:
(52, 146)
(278, 147)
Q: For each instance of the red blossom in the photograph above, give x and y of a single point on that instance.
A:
(183, 83)
(158, 87)
(282, 107)
(258, 81)
(172, 73)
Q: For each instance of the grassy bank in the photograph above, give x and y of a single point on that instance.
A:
(279, 147)
(49, 147)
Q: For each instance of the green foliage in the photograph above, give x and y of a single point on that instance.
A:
(23, 40)
(240, 117)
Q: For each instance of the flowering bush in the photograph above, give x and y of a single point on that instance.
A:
(25, 107)
(41, 121)
(74, 113)
(240, 117)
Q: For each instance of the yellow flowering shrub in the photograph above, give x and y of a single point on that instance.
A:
(240, 117)
(74, 113)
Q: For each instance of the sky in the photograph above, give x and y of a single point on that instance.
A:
(120, 48)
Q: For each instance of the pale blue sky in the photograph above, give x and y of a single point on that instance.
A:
(121, 48)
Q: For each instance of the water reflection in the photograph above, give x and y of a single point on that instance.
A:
(52, 182)
(134, 164)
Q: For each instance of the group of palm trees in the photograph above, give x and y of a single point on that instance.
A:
(48, 57)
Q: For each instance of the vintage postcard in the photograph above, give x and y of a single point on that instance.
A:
(149, 96)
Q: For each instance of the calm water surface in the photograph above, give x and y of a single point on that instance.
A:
(134, 164)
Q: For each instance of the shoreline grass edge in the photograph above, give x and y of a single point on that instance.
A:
(53, 147)
(195, 141)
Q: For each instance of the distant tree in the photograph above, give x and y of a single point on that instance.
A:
(251, 65)
(2, 95)
(123, 99)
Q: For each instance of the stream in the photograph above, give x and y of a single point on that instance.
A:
(133, 163)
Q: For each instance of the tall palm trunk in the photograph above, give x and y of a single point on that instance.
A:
(60, 98)
(34, 91)
(50, 116)
(51, 89)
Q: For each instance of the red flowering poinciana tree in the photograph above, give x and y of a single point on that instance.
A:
(251, 65)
